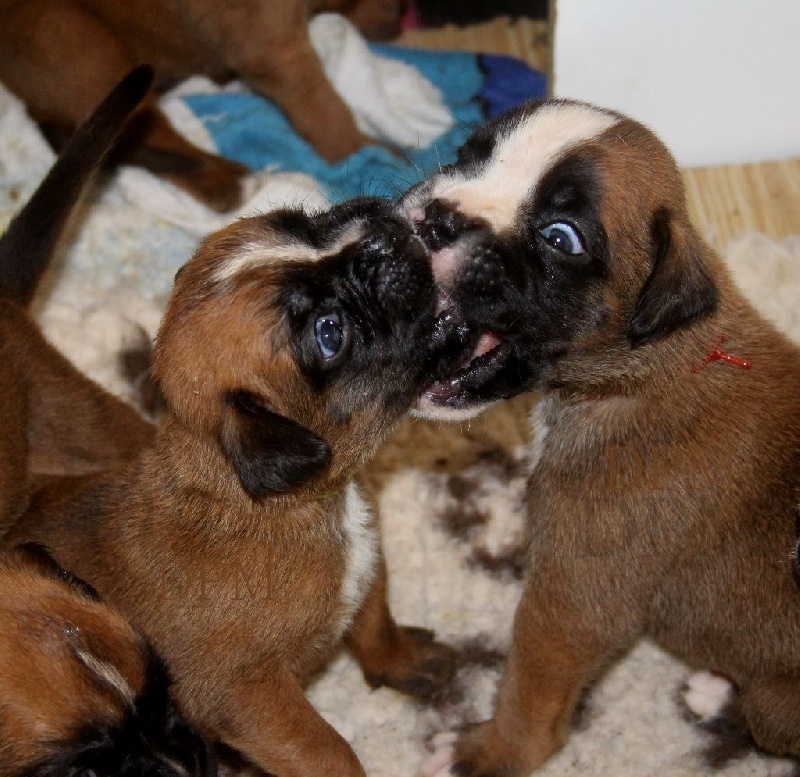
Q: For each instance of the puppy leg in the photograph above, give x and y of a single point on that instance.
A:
(378, 19)
(272, 724)
(401, 657)
(771, 710)
(277, 59)
(155, 145)
(38, 61)
(555, 654)
(304, 93)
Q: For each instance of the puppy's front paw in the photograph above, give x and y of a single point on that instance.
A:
(417, 665)
(706, 695)
(476, 751)
(712, 703)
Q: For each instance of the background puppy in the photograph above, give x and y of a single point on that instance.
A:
(666, 452)
(62, 56)
(237, 541)
(43, 398)
(82, 692)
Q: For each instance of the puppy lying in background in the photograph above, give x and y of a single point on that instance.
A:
(666, 445)
(81, 693)
(43, 398)
(238, 541)
(62, 56)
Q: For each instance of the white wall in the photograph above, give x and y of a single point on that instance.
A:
(718, 80)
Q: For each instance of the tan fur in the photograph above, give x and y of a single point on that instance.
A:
(79, 685)
(62, 56)
(244, 597)
(49, 690)
(664, 495)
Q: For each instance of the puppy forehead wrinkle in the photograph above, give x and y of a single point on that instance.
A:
(519, 160)
(278, 248)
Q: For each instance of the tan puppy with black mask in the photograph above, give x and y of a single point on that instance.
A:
(238, 541)
(666, 445)
(81, 692)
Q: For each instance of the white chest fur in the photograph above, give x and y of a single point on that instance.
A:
(361, 540)
(540, 428)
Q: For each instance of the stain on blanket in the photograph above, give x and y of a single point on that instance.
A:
(484, 511)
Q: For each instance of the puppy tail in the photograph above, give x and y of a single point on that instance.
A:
(31, 238)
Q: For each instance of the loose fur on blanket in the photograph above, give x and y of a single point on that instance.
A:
(449, 498)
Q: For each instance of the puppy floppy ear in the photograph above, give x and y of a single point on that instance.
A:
(38, 557)
(679, 289)
(270, 453)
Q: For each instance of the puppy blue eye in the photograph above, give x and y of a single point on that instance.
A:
(564, 237)
(330, 335)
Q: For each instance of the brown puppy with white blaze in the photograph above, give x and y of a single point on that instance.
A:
(81, 692)
(666, 445)
(62, 56)
(238, 542)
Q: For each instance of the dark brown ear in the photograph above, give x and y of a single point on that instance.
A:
(679, 289)
(39, 558)
(271, 454)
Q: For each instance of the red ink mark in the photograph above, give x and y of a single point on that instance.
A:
(717, 355)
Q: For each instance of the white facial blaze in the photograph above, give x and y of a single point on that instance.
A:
(520, 159)
(272, 249)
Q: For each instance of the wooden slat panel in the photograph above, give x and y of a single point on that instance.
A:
(523, 38)
(728, 200)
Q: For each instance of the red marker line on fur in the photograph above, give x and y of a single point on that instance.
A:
(717, 355)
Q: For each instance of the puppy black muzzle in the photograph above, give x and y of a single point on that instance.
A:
(478, 306)
(392, 266)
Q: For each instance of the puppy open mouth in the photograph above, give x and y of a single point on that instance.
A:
(469, 356)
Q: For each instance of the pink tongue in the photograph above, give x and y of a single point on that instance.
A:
(488, 341)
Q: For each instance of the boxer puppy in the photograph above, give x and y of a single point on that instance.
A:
(62, 56)
(238, 541)
(82, 692)
(666, 445)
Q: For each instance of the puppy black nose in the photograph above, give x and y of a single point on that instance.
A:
(443, 225)
(394, 266)
(386, 238)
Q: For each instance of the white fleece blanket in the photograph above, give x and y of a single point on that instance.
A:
(117, 271)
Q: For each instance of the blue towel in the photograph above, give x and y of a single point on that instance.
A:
(248, 129)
